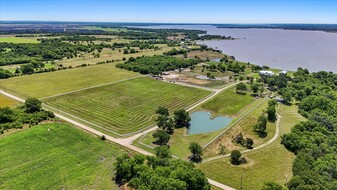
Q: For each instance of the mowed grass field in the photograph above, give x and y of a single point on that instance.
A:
(5, 101)
(227, 103)
(18, 40)
(62, 158)
(126, 106)
(46, 84)
(272, 163)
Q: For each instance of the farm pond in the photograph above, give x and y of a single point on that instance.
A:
(201, 122)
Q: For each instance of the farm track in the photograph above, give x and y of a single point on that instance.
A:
(127, 142)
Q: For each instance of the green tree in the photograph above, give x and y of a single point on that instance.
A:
(272, 186)
(162, 152)
(241, 87)
(261, 126)
(196, 151)
(255, 87)
(33, 105)
(162, 111)
(249, 143)
(181, 118)
(161, 136)
(271, 112)
(235, 157)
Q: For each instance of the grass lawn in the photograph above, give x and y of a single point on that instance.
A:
(62, 158)
(272, 163)
(126, 106)
(46, 84)
(5, 101)
(227, 103)
(17, 40)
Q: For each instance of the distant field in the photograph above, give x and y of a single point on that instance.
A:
(17, 40)
(46, 84)
(5, 101)
(105, 29)
(227, 103)
(62, 158)
(273, 163)
(126, 106)
(108, 54)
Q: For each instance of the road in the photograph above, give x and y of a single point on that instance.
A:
(127, 142)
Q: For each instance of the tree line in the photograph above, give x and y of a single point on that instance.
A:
(31, 113)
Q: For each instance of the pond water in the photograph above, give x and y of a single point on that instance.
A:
(277, 48)
(201, 122)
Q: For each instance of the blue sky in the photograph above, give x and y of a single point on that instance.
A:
(184, 11)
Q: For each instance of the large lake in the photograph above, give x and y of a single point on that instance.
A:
(277, 48)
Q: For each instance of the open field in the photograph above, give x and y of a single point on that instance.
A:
(5, 101)
(273, 163)
(17, 40)
(126, 106)
(227, 103)
(46, 84)
(62, 158)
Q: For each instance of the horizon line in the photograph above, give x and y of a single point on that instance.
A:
(149, 22)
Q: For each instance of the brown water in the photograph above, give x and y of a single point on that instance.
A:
(277, 48)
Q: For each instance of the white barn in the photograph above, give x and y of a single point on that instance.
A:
(266, 73)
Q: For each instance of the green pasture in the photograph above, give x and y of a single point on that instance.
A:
(56, 156)
(46, 84)
(18, 40)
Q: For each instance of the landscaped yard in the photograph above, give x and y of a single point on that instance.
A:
(273, 163)
(126, 106)
(56, 156)
(46, 84)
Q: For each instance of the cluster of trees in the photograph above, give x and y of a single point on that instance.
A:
(31, 113)
(261, 125)
(271, 110)
(26, 53)
(241, 87)
(167, 124)
(314, 141)
(248, 142)
(157, 64)
(4, 74)
(174, 51)
(236, 158)
(159, 172)
(214, 37)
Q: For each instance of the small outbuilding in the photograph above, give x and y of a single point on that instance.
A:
(266, 73)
